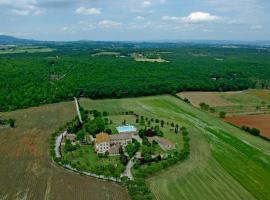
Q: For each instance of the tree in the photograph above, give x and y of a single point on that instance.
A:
(95, 126)
(162, 123)
(132, 148)
(204, 106)
(186, 100)
(80, 135)
(12, 122)
(222, 114)
(105, 113)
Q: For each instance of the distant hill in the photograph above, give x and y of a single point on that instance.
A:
(9, 40)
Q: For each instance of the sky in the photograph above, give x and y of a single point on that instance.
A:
(136, 20)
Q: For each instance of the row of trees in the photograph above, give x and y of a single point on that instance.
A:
(206, 107)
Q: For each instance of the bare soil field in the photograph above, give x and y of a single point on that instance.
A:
(261, 122)
(26, 169)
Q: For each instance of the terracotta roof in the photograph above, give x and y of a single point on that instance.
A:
(102, 137)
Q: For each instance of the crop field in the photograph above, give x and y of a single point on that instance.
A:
(261, 122)
(210, 98)
(234, 103)
(12, 49)
(225, 162)
(26, 169)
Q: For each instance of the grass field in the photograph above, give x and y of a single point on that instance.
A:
(225, 162)
(26, 169)
(234, 103)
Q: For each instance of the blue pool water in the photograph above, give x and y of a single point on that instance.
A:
(127, 128)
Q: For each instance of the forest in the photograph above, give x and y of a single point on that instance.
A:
(32, 79)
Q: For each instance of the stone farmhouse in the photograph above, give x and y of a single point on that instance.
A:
(112, 143)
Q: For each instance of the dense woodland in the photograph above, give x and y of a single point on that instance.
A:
(30, 79)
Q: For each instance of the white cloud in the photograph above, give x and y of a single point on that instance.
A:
(146, 3)
(20, 12)
(139, 18)
(22, 7)
(196, 17)
(65, 28)
(256, 27)
(109, 24)
(163, 1)
(171, 18)
(88, 11)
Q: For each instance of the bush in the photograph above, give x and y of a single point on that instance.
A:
(222, 114)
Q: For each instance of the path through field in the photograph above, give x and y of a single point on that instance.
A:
(26, 169)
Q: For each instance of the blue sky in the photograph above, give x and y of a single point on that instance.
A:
(136, 19)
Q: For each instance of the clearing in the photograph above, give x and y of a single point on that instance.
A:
(144, 58)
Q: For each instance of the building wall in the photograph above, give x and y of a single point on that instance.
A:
(102, 147)
(121, 142)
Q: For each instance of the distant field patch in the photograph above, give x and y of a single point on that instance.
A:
(210, 98)
(261, 122)
(10, 49)
(254, 101)
(262, 94)
(147, 58)
(106, 53)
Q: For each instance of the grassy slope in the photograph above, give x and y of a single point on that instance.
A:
(220, 166)
(26, 169)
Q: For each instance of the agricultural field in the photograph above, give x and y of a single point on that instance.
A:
(106, 53)
(13, 49)
(261, 122)
(251, 101)
(224, 163)
(150, 58)
(26, 168)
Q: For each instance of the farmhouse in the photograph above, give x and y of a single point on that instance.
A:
(112, 143)
(164, 143)
(114, 150)
(121, 139)
(102, 143)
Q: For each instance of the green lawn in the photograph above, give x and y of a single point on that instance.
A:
(224, 163)
(87, 159)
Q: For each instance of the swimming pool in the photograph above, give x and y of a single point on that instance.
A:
(127, 128)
